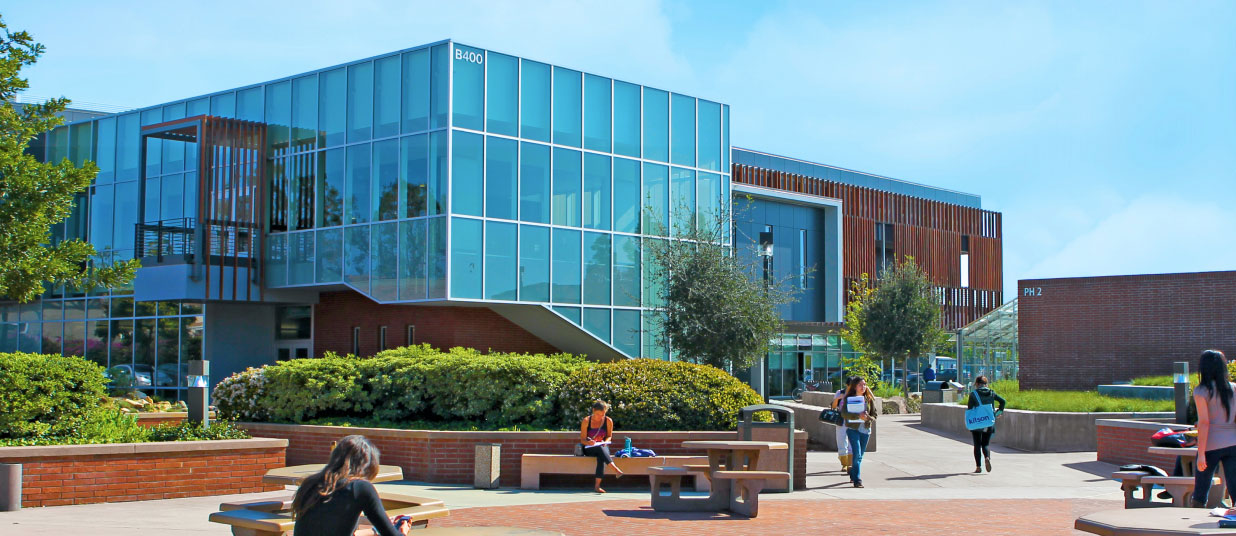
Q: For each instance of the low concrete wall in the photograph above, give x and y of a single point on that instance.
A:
(820, 435)
(1145, 392)
(1125, 441)
(1034, 431)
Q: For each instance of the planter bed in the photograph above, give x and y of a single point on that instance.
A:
(1034, 431)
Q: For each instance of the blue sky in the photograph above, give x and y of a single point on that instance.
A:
(1105, 132)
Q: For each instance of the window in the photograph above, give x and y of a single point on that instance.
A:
(533, 263)
(416, 91)
(467, 181)
(965, 261)
(656, 125)
(410, 334)
(501, 271)
(802, 259)
(682, 196)
(710, 135)
(414, 159)
(597, 269)
(355, 340)
(566, 202)
(502, 164)
(359, 178)
(566, 266)
(596, 191)
(384, 261)
(502, 107)
(656, 196)
(534, 181)
(567, 107)
(885, 256)
(412, 276)
(330, 187)
(294, 322)
(596, 113)
(466, 236)
(386, 168)
(469, 87)
(381, 338)
(626, 119)
(386, 97)
(626, 195)
(332, 100)
(535, 100)
(439, 86)
(626, 270)
(683, 130)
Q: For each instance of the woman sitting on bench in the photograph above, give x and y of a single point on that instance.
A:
(595, 433)
(330, 502)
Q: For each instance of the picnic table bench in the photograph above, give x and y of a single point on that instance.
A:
(1152, 522)
(532, 466)
(736, 484)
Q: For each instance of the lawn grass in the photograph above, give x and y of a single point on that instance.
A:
(1162, 381)
(1072, 401)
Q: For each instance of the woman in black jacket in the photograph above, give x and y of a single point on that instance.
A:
(982, 437)
(330, 502)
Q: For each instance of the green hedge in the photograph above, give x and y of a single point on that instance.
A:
(47, 395)
(648, 394)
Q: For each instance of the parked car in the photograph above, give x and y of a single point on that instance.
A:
(122, 376)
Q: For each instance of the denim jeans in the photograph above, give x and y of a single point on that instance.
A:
(1201, 482)
(858, 445)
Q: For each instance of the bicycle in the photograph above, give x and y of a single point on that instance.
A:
(803, 387)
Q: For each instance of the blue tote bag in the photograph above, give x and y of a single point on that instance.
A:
(980, 416)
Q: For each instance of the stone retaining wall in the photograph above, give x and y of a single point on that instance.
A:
(1034, 431)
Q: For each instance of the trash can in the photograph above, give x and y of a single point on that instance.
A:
(10, 487)
(781, 429)
(934, 393)
(487, 466)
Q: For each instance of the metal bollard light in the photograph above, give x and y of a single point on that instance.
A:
(1180, 382)
(10, 487)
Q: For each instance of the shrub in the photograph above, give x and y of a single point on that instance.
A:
(500, 389)
(238, 396)
(47, 395)
(648, 394)
(186, 431)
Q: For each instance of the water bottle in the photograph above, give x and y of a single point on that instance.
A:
(627, 444)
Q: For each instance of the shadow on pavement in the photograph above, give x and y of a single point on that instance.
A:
(649, 513)
(962, 439)
(1096, 468)
(929, 477)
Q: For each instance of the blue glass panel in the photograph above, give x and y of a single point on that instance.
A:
(566, 266)
(330, 256)
(415, 163)
(682, 197)
(469, 87)
(571, 313)
(413, 274)
(386, 167)
(301, 258)
(154, 146)
(596, 268)
(439, 163)
(708, 192)
(439, 86)
(249, 104)
(198, 107)
(502, 109)
(501, 178)
(332, 107)
(356, 257)
(330, 188)
(150, 212)
(128, 135)
(105, 152)
(725, 138)
(626, 270)
(468, 180)
(173, 151)
(223, 105)
(710, 135)
(172, 197)
(465, 258)
(386, 97)
(122, 232)
(656, 125)
(385, 252)
(534, 204)
(278, 117)
(360, 185)
(501, 264)
(626, 332)
(596, 321)
(416, 91)
(102, 212)
(656, 199)
(626, 195)
(360, 101)
(437, 257)
(567, 107)
(534, 99)
(596, 113)
(683, 131)
(596, 191)
(304, 113)
(626, 119)
(650, 287)
(566, 187)
(533, 263)
(653, 347)
(276, 264)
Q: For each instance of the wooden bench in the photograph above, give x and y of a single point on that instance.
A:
(1130, 482)
(745, 499)
(1181, 488)
(532, 466)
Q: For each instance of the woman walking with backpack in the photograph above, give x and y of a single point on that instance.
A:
(982, 395)
(1216, 431)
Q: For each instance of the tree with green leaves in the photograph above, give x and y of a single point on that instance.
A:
(36, 196)
(902, 318)
(714, 306)
(863, 362)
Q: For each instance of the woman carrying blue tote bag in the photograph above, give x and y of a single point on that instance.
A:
(981, 420)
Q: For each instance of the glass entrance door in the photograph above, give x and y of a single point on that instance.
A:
(297, 349)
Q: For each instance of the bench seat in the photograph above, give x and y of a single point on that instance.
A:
(752, 475)
(1130, 482)
(1180, 487)
(254, 522)
(273, 505)
(532, 466)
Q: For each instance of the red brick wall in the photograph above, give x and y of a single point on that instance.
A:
(442, 327)
(85, 478)
(447, 457)
(1076, 333)
(1125, 442)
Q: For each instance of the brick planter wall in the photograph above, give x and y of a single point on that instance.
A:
(87, 474)
(1123, 441)
(444, 457)
(153, 419)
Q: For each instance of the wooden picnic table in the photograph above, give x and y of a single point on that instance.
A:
(295, 474)
(1152, 521)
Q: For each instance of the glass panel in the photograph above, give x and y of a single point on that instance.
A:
(385, 248)
(150, 212)
(330, 187)
(330, 256)
(533, 263)
(96, 342)
(126, 220)
(651, 289)
(626, 195)
(276, 260)
(567, 107)
(31, 338)
(534, 187)
(356, 257)
(412, 281)
(415, 163)
(596, 191)
(191, 308)
(654, 348)
(596, 113)
(301, 258)
(566, 187)
(223, 105)
(571, 313)
(249, 104)
(656, 199)
(502, 94)
(75, 339)
(465, 258)
(566, 266)
(683, 142)
(386, 165)
(53, 310)
(122, 307)
(596, 321)
(74, 309)
(278, 117)
(332, 106)
(173, 197)
(154, 146)
(439, 86)
(626, 119)
(501, 178)
(96, 308)
(58, 145)
(438, 170)
(416, 91)
(656, 125)
(626, 270)
(386, 97)
(534, 100)
(626, 332)
(468, 168)
(469, 87)
(105, 156)
(359, 179)
(198, 107)
(80, 143)
(304, 112)
(437, 257)
(725, 138)
(301, 190)
(167, 368)
(121, 354)
(128, 134)
(191, 331)
(101, 216)
(708, 191)
(596, 268)
(360, 101)
(682, 195)
(501, 272)
(710, 135)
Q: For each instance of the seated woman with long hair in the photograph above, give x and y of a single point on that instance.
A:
(330, 502)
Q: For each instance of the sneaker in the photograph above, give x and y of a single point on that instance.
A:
(978, 470)
(858, 483)
(988, 465)
(1164, 495)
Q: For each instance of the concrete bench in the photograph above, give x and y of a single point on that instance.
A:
(1181, 488)
(745, 498)
(532, 466)
(273, 505)
(1130, 482)
(246, 522)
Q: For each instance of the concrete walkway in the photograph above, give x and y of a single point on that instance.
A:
(913, 464)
